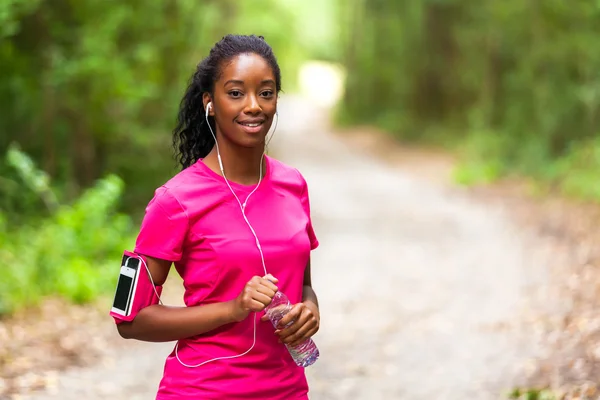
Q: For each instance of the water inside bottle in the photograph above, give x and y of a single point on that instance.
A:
(304, 354)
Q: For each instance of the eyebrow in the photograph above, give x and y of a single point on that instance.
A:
(239, 82)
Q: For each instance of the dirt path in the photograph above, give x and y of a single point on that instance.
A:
(422, 290)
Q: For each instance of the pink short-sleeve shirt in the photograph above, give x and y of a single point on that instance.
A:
(196, 222)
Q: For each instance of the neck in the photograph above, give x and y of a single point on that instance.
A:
(241, 164)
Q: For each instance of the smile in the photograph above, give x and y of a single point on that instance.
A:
(251, 127)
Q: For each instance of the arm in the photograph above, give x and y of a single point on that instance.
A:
(305, 315)
(158, 323)
(309, 297)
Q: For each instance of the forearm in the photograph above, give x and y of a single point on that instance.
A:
(159, 323)
(309, 296)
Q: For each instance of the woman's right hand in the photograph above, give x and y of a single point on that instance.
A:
(256, 295)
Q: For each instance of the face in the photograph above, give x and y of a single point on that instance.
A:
(245, 101)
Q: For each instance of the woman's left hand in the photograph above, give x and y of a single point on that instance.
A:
(305, 317)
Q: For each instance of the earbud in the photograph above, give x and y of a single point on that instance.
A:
(208, 107)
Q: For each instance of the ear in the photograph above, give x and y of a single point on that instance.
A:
(205, 100)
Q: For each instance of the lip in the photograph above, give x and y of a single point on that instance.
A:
(252, 129)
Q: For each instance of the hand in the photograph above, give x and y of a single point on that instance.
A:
(305, 318)
(256, 295)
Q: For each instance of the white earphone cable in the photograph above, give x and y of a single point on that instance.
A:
(242, 208)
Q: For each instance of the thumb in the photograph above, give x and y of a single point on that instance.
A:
(271, 278)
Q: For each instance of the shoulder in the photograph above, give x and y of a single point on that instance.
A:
(287, 175)
(187, 185)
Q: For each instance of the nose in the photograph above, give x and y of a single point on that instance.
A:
(252, 106)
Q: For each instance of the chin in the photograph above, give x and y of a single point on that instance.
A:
(249, 142)
(251, 139)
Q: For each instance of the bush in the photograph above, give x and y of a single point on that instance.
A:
(579, 171)
(71, 253)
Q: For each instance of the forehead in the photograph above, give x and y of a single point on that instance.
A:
(248, 68)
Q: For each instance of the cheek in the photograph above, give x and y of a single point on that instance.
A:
(271, 117)
(224, 116)
(270, 108)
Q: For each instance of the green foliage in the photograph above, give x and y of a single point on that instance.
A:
(11, 11)
(482, 152)
(88, 89)
(70, 253)
(532, 394)
(579, 170)
(518, 83)
(37, 181)
(89, 92)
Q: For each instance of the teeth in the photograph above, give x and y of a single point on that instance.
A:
(252, 125)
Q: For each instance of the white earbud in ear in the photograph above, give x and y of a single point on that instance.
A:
(208, 107)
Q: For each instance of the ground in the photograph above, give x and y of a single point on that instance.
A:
(426, 290)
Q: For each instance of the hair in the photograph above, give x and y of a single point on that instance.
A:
(192, 138)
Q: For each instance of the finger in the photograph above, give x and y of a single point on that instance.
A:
(256, 306)
(299, 332)
(255, 297)
(264, 318)
(255, 280)
(268, 284)
(261, 298)
(306, 318)
(307, 335)
(269, 292)
(293, 315)
(271, 278)
(287, 331)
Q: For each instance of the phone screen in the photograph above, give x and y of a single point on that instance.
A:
(123, 291)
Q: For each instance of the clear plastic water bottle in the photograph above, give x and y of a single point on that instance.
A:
(304, 354)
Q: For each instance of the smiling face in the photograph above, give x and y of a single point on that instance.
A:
(244, 101)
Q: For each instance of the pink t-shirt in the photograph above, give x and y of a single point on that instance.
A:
(194, 221)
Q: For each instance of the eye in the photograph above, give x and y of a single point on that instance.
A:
(235, 93)
(267, 93)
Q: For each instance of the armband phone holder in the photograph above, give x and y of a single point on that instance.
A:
(135, 288)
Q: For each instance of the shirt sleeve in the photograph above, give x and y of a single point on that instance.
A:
(304, 198)
(164, 228)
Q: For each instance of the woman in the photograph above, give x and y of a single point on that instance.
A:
(236, 224)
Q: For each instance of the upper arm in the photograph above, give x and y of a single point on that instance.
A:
(159, 269)
(307, 276)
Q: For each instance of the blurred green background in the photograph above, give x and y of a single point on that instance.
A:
(89, 91)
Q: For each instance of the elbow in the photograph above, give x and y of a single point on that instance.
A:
(134, 329)
(125, 330)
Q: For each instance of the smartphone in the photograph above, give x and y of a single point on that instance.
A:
(128, 279)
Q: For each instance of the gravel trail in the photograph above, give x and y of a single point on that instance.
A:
(419, 285)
